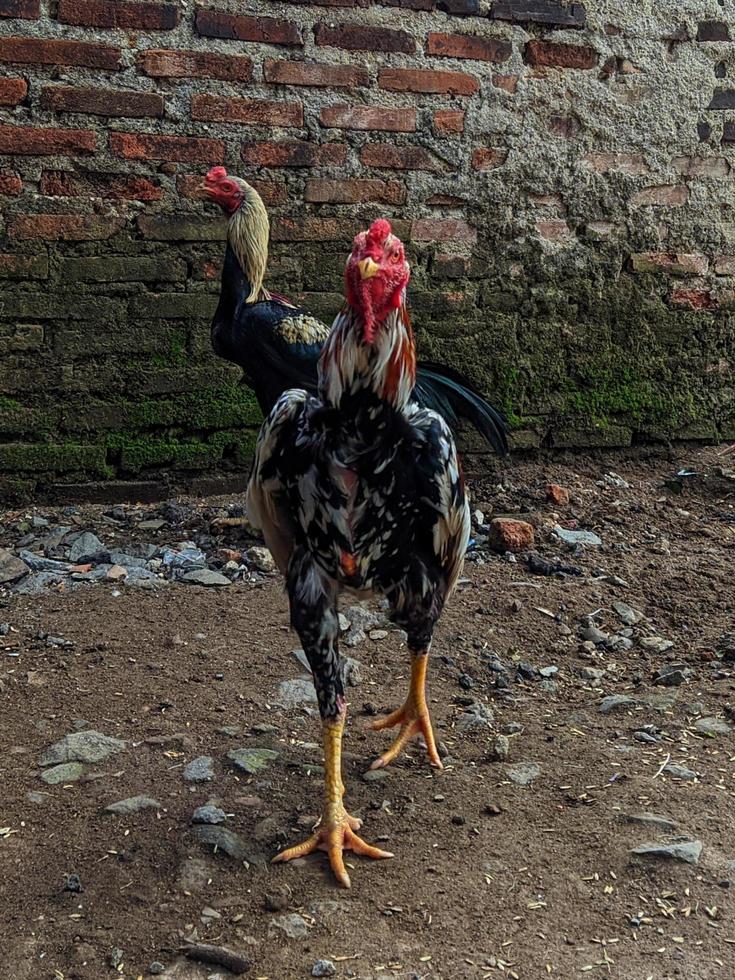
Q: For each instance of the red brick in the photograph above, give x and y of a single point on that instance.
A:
(448, 121)
(271, 191)
(445, 201)
(557, 495)
(120, 13)
(180, 149)
(404, 4)
(627, 163)
(488, 158)
(293, 154)
(239, 27)
(10, 184)
(33, 51)
(63, 227)
(442, 230)
(363, 38)
(551, 54)
(12, 90)
(314, 74)
(509, 83)
(676, 263)
(369, 117)
(424, 80)
(34, 141)
(397, 157)
(214, 109)
(27, 9)
(23, 266)
(109, 186)
(313, 229)
(664, 196)
(164, 63)
(468, 46)
(725, 265)
(713, 30)
(554, 229)
(701, 166)
(564, 126)
(354, 191)
(101, 102)
(557, 13)
(693, 299)
(509, 535)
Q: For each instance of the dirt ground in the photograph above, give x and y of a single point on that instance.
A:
(490, 878)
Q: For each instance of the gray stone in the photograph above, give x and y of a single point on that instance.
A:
(686, 850)
(67, 772)
(35, 797)
(11, 568)
(40, 582)
(38, 563)
(230, 730)
(225, 840)
(292, 925)
(627, 614)
(477, 715)
(500, 748)
(142, 578)
(679, 771)
(133, 804)
(260, 558)
(613, 702)
(574, 538)
(523, 773)
(87, 746)
(712, 726)
(156, 967)
(297, 692)
(208, 814)
(593, 674)
(126, 560)
(199, 770)
(323, 968)
(592, 635)
(651, 820)
(206, 577)
(252, 761)
(375, 775)
(657, 644)
(85, 546)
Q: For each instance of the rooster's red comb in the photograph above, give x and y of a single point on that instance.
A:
(378, 232)
(215, 175)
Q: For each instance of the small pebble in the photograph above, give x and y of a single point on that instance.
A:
(323, 968)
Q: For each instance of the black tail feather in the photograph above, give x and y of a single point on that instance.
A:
(455, 397)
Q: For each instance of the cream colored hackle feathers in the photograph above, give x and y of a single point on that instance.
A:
(248, 231)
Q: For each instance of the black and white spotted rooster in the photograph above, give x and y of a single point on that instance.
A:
(277, 344)
(359, 489)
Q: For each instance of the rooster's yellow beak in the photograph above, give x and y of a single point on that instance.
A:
(368, 268)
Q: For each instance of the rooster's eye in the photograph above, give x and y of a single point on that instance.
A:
(395, 257)
(227, 186)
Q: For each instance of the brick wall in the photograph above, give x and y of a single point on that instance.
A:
(562, 173)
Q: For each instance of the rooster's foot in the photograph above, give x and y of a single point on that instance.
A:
(335, 834)
(414, 720)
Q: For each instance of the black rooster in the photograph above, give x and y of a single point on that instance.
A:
(359, 489)
(277, 344)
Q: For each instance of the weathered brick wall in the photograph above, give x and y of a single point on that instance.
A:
(561, 171)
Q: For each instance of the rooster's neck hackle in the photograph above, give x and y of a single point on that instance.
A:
(248, 231)
(385, 368)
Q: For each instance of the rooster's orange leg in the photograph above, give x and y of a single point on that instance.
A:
(413, 717)
(336, 830)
